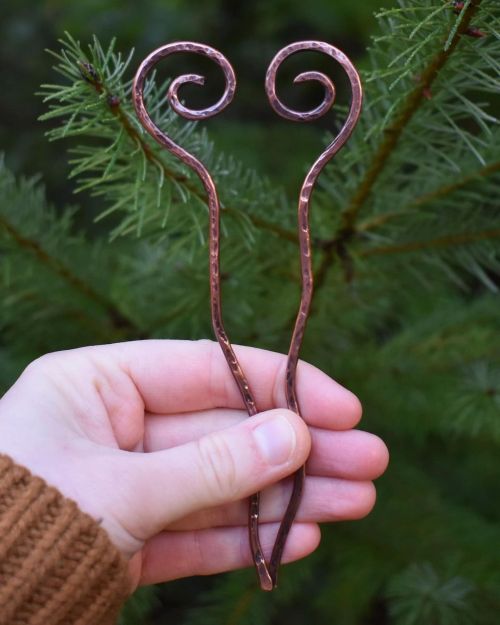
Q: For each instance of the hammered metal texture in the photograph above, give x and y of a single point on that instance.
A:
(304, 232)
(214, 228)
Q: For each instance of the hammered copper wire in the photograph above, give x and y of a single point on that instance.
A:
(214, 218)
(303, 230)
(267, 575)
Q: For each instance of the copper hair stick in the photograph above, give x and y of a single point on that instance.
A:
(214, 229)
(303, 229)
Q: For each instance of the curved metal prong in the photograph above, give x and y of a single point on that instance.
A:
(214, 217)
(303, 230)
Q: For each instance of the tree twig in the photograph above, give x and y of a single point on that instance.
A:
(118, 320)
(393, 132)
(439, 242)
(121, 115)
(379, 220)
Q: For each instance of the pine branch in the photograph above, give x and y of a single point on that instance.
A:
(375, 160)
(426, 198)
(122, 177)
(420, 592)
(437, 243)
(117, 318)
(447, 189)
(276, 229)
(32, 236)
(102, 80)
(477, 407)
(192, 187)
(394, 131)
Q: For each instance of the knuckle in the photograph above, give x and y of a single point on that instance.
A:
(217, 376)
(380, 455)
(218, 467)
(40, 366)
(357, 408)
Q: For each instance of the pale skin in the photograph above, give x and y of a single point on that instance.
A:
(151, 439)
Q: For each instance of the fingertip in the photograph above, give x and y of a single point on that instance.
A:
(175, 554)
(352, 500)
(325, 402)
(349, 409)
(350, 454)
(378, 456)
(366, 499)
(304, 539)
(341, 407)
(314, 537)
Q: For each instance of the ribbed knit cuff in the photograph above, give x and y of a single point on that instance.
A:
(57, 565)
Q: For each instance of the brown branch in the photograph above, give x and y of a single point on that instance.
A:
(375, 222)
(439, 242)
(77, 315)
(445, 190)
(394, 131)
(282, 233)
(118, 319)
(322, 272)
(392, 135)
(121, 115)
(380, 220)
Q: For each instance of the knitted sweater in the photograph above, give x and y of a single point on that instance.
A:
(57, 565)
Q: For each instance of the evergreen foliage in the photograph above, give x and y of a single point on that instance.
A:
(407, 255)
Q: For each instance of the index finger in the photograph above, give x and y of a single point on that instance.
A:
(181, 376)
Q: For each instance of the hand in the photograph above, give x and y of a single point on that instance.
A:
(151, 439)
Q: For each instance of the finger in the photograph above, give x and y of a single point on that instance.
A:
(162, 431)
(182, 376)
(351, 454)
(171, 555)
(324, 500)
(221, 467)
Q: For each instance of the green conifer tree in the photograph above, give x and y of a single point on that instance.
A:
(406, 227)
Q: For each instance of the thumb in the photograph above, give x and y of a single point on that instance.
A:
(218, 468)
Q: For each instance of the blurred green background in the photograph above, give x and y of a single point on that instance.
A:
(249, 33)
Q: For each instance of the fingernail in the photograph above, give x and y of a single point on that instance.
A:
(275, 439)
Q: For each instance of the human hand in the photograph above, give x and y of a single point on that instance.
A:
(151, 439)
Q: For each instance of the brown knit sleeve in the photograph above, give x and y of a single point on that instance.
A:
(57, 565)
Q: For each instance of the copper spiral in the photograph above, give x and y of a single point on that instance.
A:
(303, 230)
(214, 218)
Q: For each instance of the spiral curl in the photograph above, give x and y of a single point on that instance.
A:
(185, 46)
(303, 230)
